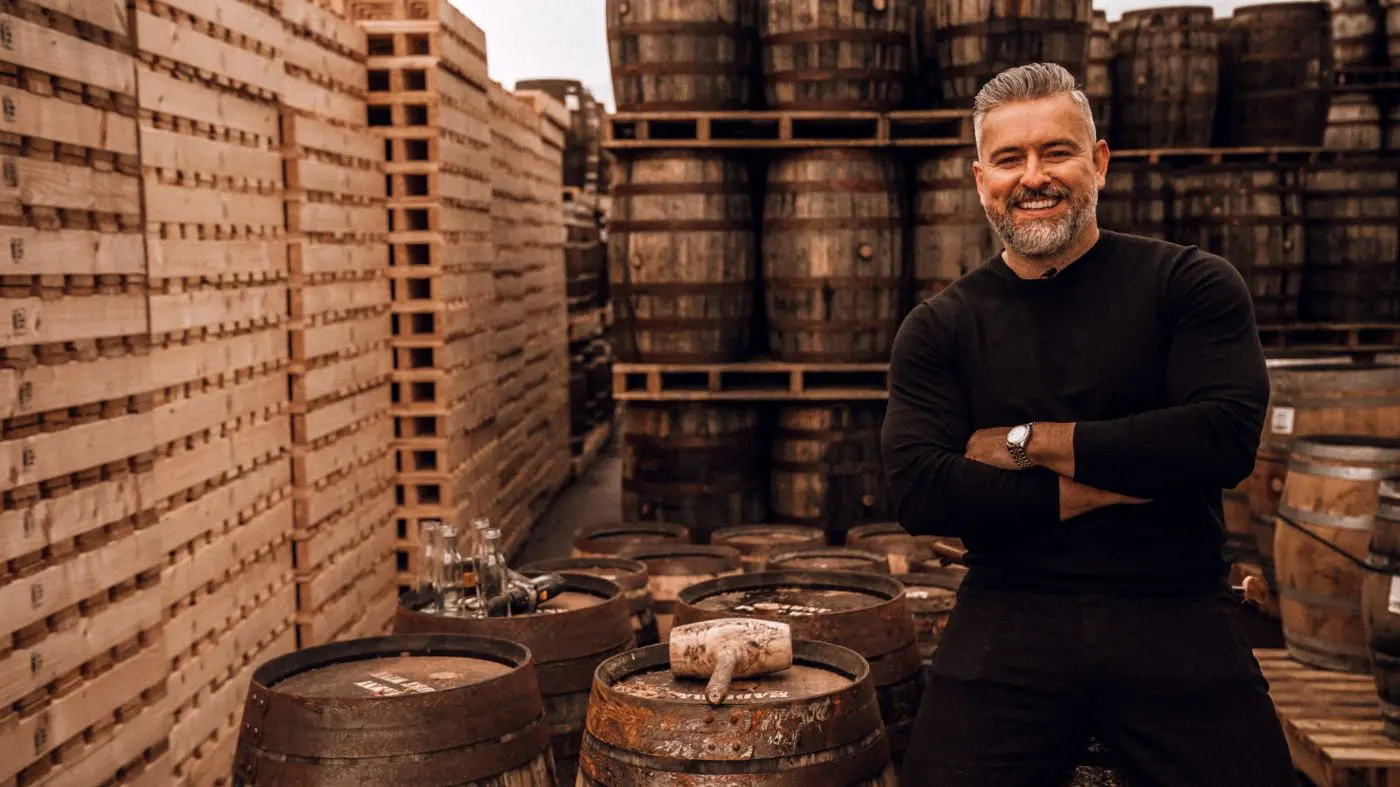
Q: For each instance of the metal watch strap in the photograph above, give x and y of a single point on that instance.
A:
(1018, 452)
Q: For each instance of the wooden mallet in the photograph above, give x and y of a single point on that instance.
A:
(729, 648)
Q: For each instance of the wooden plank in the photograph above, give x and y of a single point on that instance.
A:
(187, 153)
(307, 16)
(182, 363)
(224, 506)
(346, 412)
(306, 96)
(332, 218)
(235, 15)
(67, 716)
(215, 611)
(177, 258)
(30, 460)
(227, 552)
(317, 587)
(364, 444)
(163, 93)
(184, 205)
(312, 56)
(165, 38)
(326, 339)
(185, 416)
(319, 259)
(315, 542)
(341, 612)
(52, 184)
(218, 660)
(339, 297)
(52, 520)
(98, 762)
(202, 308)
(106, 14)
(317, 134)
(44, 49)
(55, 386)
(54, 119)
(323, 381)
(36, 252)
(317, 175)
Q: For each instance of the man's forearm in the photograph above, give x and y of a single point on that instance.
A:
(1052, 446)
(1077, 499)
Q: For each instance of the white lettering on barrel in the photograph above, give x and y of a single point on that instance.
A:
(378, 689)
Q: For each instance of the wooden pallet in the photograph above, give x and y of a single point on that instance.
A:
(787, 129)
(1361, 337)
(1333, 723)
(587, 448)
(750, 381)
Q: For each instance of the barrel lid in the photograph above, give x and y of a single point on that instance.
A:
(391, 676)
(1315, 7)
(625, 572)
(681, 559)
(751, 538)
(859, 532)
(832, 559)
(613, 536)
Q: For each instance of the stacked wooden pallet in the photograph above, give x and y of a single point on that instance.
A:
(428, 102)
(82, 661)
(531, 327)
(338, 258)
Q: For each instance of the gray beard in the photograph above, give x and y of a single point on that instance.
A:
(1044, 237)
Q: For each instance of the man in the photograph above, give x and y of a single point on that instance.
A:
(1072, 410)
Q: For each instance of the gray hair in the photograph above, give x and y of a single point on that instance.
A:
(1028, 83)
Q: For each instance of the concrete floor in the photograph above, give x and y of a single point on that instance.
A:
(593, 499)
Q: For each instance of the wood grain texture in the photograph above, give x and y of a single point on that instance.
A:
(668, 55)
(52, 52)
(836, 54)
(1166, 79)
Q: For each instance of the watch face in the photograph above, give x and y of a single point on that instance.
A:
(1017, 434)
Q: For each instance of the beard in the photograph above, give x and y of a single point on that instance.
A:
(1047, 237)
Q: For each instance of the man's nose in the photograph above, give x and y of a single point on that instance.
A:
(1035, 176)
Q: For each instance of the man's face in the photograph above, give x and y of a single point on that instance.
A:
(1039, 172)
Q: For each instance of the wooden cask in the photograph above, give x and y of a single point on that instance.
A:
(1352, 214)
(373, 711)
(1392, 34)
(693, 55)
(757, 543)
(904, 553)
(967, 42)
(630, 575)
(951, 233)
(1358, 34)
(585, 257)
(1276, 74)
(931, 596)
(864, 612)
(695, 464)
(1325, 514)
(1252, 215)
(1392, 124)
(682, 259)
(609, 540)
(1137, 198)
(1166, 77)
(769, 731)
(827, 470)
(1381, 614)
(568, 638)
(1098, 76)
(830, 559)
(833, 260)
(1354, 122)
(671, 569)
(836, 55)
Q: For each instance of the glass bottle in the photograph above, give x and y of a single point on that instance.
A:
(451, 568)
(429, 537)
(491, 567)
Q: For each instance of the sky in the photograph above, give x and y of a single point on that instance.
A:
(531, 39)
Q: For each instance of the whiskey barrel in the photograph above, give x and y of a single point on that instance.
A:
(1137, 198)
(585, 257)
(1166, 77)
(833, 260)
(681, 258)
(766, 734)
(931, 597)
(1252, 215)
(864, 612)
(902, 552)
(568, 637)
(967, 42)
(834, 55)
(1354, 122)
(1098, 79)
(630, 575)
(827, 470)
(1239, 531)
(757, 543)
(1392, 123)
(1358, 34)
(1352, 213)
(1276, 74)
(696, 55)
(951, 232)
(1392, 35)
(671, 569)
(830, 559)
(609, 540)
(1325, 515)
(372, 711)
(1382, 621)
(695, 464)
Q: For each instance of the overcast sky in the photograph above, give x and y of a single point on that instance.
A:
(530, 39)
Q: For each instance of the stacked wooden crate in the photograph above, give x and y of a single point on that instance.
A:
(82, 661)
(338, 259)
(209, 78)
(428, 101)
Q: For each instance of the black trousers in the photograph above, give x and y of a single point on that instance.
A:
(1021, 679)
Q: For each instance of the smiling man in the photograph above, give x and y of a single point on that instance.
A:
(1072, 410)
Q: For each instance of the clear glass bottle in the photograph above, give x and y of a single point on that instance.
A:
(450, 559)
(429, 563)
(491, 567)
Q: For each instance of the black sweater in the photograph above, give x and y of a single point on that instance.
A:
(1150, 347)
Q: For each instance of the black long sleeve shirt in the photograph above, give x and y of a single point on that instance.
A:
(1150, 347)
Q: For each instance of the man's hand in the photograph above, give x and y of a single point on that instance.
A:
(988, 446)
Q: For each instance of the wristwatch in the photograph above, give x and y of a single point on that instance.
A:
(1016, 441)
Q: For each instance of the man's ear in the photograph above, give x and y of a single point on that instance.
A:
(977, 174)
(1101, 156)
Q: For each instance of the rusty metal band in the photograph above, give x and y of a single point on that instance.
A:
(836, 223)
(682, 189)
(681, 68)
(1340, 472)
(861, 283)
(667, 489)
(674, 28)
(896, 667)
(837, 74)
(830, 468)
(674, 225)
(834, 186)
(572, 677)
(1319, 519)
(673, 288)
(833, 34)
(994, 27)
